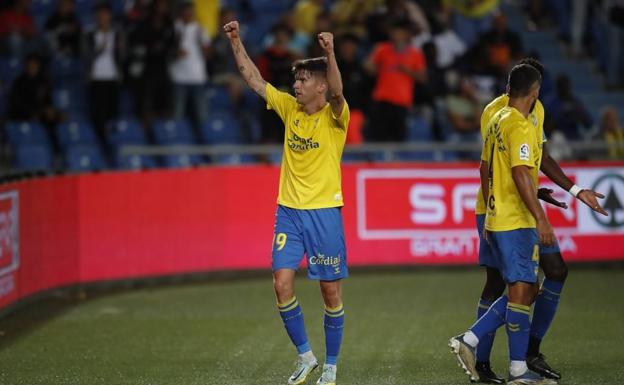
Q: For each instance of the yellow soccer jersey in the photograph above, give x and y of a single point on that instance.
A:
(536, 118)
(511, 141)
(310, 174)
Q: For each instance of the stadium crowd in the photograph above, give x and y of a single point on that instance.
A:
(412, 70)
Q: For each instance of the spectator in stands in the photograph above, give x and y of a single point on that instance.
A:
(612, 132)
(449, 46)
(472, 18)
(188, 70)
(221, 64)
(380, 21)
(397, 66)
(501, 45)
(463, 108)
(323, 23)
(614, 10)
(104, 48)
(150, 48)
(349, 16)
(569, 114)
(17, 29)
(306, 12)
(30, 95)
(137, 11)
(63, 29)
(356, 84)
(274, 63)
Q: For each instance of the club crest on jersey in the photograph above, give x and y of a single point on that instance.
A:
(524, 152)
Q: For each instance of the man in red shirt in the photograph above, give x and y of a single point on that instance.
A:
(16, 27)
(397, 65)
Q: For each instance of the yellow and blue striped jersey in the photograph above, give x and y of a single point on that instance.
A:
(511, 141)
(310, 174)
(536, 117)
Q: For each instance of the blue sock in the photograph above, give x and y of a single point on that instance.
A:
(545, 307)
(292, 316)
(334, 324)
(485, 343)
(518, 325)
(493, 318)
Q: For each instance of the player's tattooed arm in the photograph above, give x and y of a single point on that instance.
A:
(334, 79)
(553, 171)
(246, 67)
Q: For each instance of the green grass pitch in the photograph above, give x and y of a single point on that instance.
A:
(229, 333)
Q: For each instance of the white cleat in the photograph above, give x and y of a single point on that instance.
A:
(329, 375)
(304, 368)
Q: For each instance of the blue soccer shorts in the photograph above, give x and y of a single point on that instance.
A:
(486, 254)
(516, 253)
(318, 234)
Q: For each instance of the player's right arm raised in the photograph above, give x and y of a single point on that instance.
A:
(246, 67)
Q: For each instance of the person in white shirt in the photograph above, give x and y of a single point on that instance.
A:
(104, 47)
(188, 69)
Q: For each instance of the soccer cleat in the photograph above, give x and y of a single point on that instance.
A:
(304, 368)
(539, 365)
(530, 378)
(466, 356)
(329, 375)
(487, 375)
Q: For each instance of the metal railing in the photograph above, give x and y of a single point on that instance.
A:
(581, 150)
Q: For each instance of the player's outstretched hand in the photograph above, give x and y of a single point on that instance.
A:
(545, 194)
(546, 233)
(232, 29)
(589, 198)
(326, 41)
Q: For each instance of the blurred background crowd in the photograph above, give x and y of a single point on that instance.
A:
(80, 78)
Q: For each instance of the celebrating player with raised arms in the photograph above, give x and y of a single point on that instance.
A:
(308, 219)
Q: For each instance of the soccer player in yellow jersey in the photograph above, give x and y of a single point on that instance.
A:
(515, 224)
(308, 219)
(551, 261)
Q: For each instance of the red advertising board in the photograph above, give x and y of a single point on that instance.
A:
(67, 230)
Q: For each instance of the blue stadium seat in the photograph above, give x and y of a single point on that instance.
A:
(218, 99)
(73, 133)
(64, 69)
(32, 157)
(134, 162)
(26, 133)
(84, 157)
(418, 130)
(10, 68)
(181, 161)
(221, 128)
(173, 132)
(126, 131)
(84, 10)
(71, 99)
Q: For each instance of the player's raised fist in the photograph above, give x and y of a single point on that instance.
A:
(232, 29)
(326, 41)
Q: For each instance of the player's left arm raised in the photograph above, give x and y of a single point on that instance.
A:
(334, 80)
(553, 171)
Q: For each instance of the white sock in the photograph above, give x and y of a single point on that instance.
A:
(331, 366)
(308, 356)
(517, 368)
(471, 339)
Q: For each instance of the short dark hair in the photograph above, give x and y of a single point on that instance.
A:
(533, 63)
(103, 6)
(521, 79)
(315, 65)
